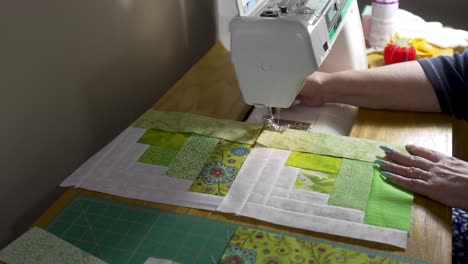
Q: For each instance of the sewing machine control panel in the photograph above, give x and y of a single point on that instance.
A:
(309, 10)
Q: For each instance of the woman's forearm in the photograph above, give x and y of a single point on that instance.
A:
(402, 86)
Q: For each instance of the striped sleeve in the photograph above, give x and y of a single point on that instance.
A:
(448, 75)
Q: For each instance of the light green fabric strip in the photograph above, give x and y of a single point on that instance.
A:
(241, 132)
(315, 181)
(157, 155)
(310, 161)
(164, 139)
(324, 144)
(39, 246)
(352, 184)
(388, 205)
(190, 159)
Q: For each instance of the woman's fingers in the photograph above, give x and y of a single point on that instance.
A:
(428, 154)
(409, 172)
(414, 185)
(408, 160)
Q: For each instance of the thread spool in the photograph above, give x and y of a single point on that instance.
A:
(382, 26)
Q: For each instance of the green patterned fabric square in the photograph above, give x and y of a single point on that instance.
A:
(315, 181)
(388, 205)
(157, 155)
(39, 246)
(164, 139)
(221, 168)
(313, 162)
(352, 185)
(190, 159)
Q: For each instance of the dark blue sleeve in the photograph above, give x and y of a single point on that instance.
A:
(449, 77)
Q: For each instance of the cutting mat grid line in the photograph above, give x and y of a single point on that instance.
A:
(121, 232)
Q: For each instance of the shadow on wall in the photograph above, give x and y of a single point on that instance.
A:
(162, 43)
(75, 74)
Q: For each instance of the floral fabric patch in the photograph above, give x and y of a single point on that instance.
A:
(252, 246)
(221, 168)
(191, 157)
(315, 181)
(313, 162)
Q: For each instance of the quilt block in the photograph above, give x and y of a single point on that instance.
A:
(307, 180)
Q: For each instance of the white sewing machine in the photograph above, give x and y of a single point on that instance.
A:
(275, 44)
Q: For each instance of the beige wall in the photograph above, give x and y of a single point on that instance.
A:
(73, 74)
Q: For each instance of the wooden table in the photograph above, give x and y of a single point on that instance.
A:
(210, 88)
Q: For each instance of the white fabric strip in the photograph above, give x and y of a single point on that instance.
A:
(285, 183)
(326, 225)
(83, 172)
(309, 197)
(152, 260)
(342, 213)
(270, 174)
(245, 180)
(116, 171)
(147, 175)
(181, 198)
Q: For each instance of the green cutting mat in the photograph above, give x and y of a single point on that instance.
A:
(120, 232)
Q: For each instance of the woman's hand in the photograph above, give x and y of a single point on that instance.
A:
(429, 173)
(312, 90)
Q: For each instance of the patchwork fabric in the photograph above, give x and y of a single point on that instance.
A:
(314, 162)
(255, 246)
(352, 185)
(324, 144)
(190, 159)
(323, 183)
(242, 132)
(388, 206)
(164, 146)
(315, 181)
(39, 246)
(157, 155)
(221, 168)
(164, 139)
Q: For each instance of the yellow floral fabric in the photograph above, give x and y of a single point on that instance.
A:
(250, 246)
(221, 168)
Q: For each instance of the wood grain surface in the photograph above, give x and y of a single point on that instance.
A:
(210, 88)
